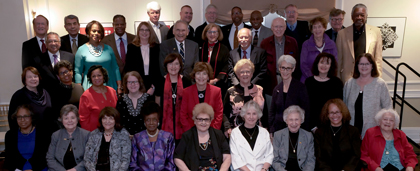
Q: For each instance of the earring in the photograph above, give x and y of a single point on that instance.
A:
(158, 123)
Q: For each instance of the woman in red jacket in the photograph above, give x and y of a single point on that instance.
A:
(201, 92)
(386, 148)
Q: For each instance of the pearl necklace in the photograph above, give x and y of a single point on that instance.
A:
(95, 51)
(151, 136)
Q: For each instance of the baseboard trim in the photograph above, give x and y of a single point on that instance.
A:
(413, 133)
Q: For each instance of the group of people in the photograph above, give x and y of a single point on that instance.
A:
(293, 97)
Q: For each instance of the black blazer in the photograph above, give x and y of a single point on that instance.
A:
(296, 95)
(198, 33)
(188, 148)
(14, 159)
(190, 33)
(258, 57)
(303, 31)
(30, 49)
(219, 59)
(226, 32)
(134, 62)
(349, 148)
(66, 42)
(329, 32)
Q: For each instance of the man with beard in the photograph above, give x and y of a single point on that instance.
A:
(230, 31)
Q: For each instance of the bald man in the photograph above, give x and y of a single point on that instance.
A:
(277, 45)
(259, 32)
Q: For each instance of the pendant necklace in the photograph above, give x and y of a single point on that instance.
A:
(294, 148)
(174, 93)
(336, 131)
(250, 136)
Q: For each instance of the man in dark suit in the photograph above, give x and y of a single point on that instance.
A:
(119, 40)
(275, 46)
(188, 49)
(230, 31)
(259, 32)
(253, 53)
(35, 46)
(336, 22)
(186, 16)
(211, 16)
(45, 65)
(159, 28)
(72, 41)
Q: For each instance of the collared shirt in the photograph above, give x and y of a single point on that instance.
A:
(248, 52)
(71, 40)
(40, 43)
(157, 30)
(294, 26)
(52, 57)
(253, 34)
(279, 52)
(232, 32)
(179, 48)
(117, 42)
(145, 53)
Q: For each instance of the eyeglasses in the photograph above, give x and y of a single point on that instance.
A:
(334, 113)
(64, 73)
(285, 68)
(364, 64)
(25, 117)
(132, 82)
(205, 120)
(212, 32)
(336, 19)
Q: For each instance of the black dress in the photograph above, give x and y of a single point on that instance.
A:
(130, 116)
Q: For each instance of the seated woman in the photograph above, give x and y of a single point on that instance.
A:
(201, 92)
(64, 71)
(202, 147)
(26, 146)
(241, 93)
(33, 95)
(385, 147)
(109, 146)
(152, 149)
(130, 104)
(94, 99)
(293, 156)
(250, 144)
(290, 91)
(323, 85)
(67, 146)
(337, 143)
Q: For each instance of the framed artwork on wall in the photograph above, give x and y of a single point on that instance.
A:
(167, 23)
(392, 29)
(109, 29)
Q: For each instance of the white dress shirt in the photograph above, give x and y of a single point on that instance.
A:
(40, 43)
(232, 33)
(157, 30)
(145, 53)
(117, 42)
(71, 41)
(179, 47)
(52, 57)
(253, 34)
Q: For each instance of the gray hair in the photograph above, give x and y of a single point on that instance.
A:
(380, 115)
(210, 6)
(71, 16)
(359, 6)
(288, 58)
(153, 6)
(66, 109)
(50, 33)
(249, 32)
(294, 109)
(251, 104)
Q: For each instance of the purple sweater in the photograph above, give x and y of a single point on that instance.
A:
(309, 53)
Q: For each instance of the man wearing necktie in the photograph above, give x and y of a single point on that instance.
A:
(73, 40)
(230, 31)
(188, 49)
(35, 46)
(259, 32)
(119, 40)
(246, 51)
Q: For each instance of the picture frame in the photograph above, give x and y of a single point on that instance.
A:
(392, 30)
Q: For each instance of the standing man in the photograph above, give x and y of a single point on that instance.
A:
(253, 53)
(230, 31)
(211, 16)
(159, 27)
(277, 45)
(35, 46)
(259, 32)
(186, 16)
(355, 40)
(119, 40)
(72, 41)
(336, 22)
(188, 49)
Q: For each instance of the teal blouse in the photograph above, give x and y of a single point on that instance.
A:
(391, 156)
